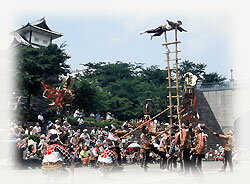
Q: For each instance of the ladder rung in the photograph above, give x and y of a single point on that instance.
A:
(172, 106)
(169, 43)
(174, 96)
(173, 116)
(174, 59)
(172, 52)
(174, 87)
(172, 68)
(173, 77)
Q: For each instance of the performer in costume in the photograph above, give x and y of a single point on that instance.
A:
(163, 148)
(198, 150)
(174, 25)
(114, 136)
(55, 156)
(108, 160)
(185, 145)
(163, 28)
(157, 31)
(147, 146)
(227, 150)
(60, 97)
(173, 151)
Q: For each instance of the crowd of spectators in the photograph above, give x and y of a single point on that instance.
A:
(83, 143)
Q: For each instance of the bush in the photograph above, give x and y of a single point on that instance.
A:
(34, 137)
(72, 121)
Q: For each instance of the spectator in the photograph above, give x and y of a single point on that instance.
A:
(77, 113)
(85, 137)
(81, 123)
(37, 129)
(40, 117)
(74, 140)
(84, 156)
(97, 116)
(92, 115)
(108, 116)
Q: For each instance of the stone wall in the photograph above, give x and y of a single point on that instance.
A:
(221, 103)
(208, 117)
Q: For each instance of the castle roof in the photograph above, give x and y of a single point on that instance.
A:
(39, 26)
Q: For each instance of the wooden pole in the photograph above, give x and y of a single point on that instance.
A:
(170, 128)
(177, 80)
(146, 122)
(169, 83)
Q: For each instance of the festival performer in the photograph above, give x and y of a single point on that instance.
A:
(198, 150)
(163, 148)
(114, 136)
(174, 25)
(227, 150)
(163, 28)
(185, 145)
(60, 97)
(55, 156)
(148, 146)
(157, 31)
(108, 160)
(173, 151)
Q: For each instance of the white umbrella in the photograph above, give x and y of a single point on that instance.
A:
(134, 145)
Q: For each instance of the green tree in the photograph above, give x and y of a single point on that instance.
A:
(153, 74)
(34, 65)
(197, 69)
(213, 77)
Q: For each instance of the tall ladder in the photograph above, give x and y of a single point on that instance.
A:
(174, 89)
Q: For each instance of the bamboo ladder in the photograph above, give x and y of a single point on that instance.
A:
(173, 83)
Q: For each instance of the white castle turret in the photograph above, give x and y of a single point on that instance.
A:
(34, 34)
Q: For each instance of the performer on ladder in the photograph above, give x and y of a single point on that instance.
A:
(163, 28)
(157, 31)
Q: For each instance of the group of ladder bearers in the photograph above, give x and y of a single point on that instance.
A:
(187, 144)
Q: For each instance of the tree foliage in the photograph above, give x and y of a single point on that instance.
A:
(34, 65)
(213, 78)
(120, 88)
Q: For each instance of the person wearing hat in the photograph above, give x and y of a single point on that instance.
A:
(227, 150)
(198, 150)
(85, 137)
